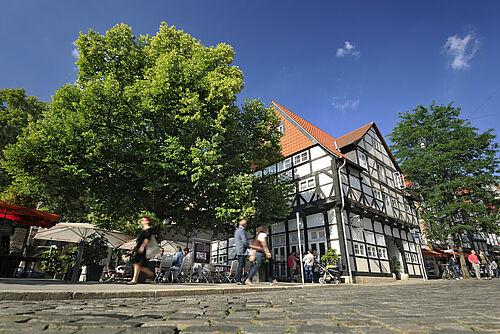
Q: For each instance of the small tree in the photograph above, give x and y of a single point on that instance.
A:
(453, 168)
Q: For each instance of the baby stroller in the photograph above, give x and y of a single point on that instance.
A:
(328, 274)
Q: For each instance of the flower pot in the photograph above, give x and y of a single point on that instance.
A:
(94, 272)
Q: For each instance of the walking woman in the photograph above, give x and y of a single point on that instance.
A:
(260, 251)
(140, 260)
(292, 264)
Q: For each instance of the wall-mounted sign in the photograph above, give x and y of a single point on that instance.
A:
(201, 252)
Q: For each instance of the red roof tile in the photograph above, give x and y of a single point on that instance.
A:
(300, 134)
(353, 135)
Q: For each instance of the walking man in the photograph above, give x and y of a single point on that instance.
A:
(475, 263)
(241, 245)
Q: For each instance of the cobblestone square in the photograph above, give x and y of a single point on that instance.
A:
(431, 307)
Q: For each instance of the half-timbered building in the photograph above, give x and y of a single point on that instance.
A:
(350, 197)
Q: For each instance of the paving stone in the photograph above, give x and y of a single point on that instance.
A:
(177, 323)
(152, 330)
(211, 329)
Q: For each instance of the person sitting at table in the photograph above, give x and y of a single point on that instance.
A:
(177, 262)
(159, 256)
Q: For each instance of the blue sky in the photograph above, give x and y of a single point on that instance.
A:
(338, 64)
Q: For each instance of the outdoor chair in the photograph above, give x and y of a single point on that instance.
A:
(208, 273)
(229, 275)
(163, 275)
(186, 272)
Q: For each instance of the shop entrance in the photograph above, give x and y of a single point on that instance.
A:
(395, 258)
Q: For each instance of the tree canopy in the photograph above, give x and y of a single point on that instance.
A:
(16, 111)
(151, 125)
(453, 167)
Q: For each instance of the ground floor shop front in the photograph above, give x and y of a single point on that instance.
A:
(375, 248)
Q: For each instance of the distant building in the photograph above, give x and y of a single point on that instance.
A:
(350, 196)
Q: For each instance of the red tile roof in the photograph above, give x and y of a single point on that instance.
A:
(353, 135)
(357, 134)
(300, 134)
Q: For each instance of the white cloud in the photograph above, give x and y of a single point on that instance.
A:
(348, 49)
(344, 104)
(75, 53)
(461, 50)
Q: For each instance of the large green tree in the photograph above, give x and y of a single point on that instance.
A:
(17, 110)
(453, 167)
(152, 125)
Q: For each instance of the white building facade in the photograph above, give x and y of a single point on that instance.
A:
(350, 197)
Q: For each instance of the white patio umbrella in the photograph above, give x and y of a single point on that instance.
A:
(77, 232)
(167, 245)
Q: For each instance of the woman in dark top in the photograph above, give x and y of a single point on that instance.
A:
(140, 250)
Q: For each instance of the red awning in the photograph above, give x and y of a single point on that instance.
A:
(426, 252)
(28, 216)
(450, 254)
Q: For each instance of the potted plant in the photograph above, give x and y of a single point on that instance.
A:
(330, 259)
(94, 251)
(395, 267)
(68, 262)
(51, 263)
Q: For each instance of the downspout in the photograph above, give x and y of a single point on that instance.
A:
(343, 223)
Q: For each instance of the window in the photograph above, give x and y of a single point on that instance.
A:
(399, 180)
(359, 249)
(376, 144)
(394, 203)
(270, 170)
(362, 160)
(382, 253)
(286, 176)
(381, 172)
(387, 201)
(408, 257)
(307, 184)
(300, 158)
(415, 258)
(372, 251)
(378, 194)
(287, 163)
(281, 128)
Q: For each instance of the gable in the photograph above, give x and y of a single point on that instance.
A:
(294, 140)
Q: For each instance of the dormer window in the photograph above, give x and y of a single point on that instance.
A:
(281, 128)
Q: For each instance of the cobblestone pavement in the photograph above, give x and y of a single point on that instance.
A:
(431, 307)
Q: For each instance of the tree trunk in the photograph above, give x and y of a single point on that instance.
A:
(463, 263)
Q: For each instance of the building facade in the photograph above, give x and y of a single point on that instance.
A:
(350, 197)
